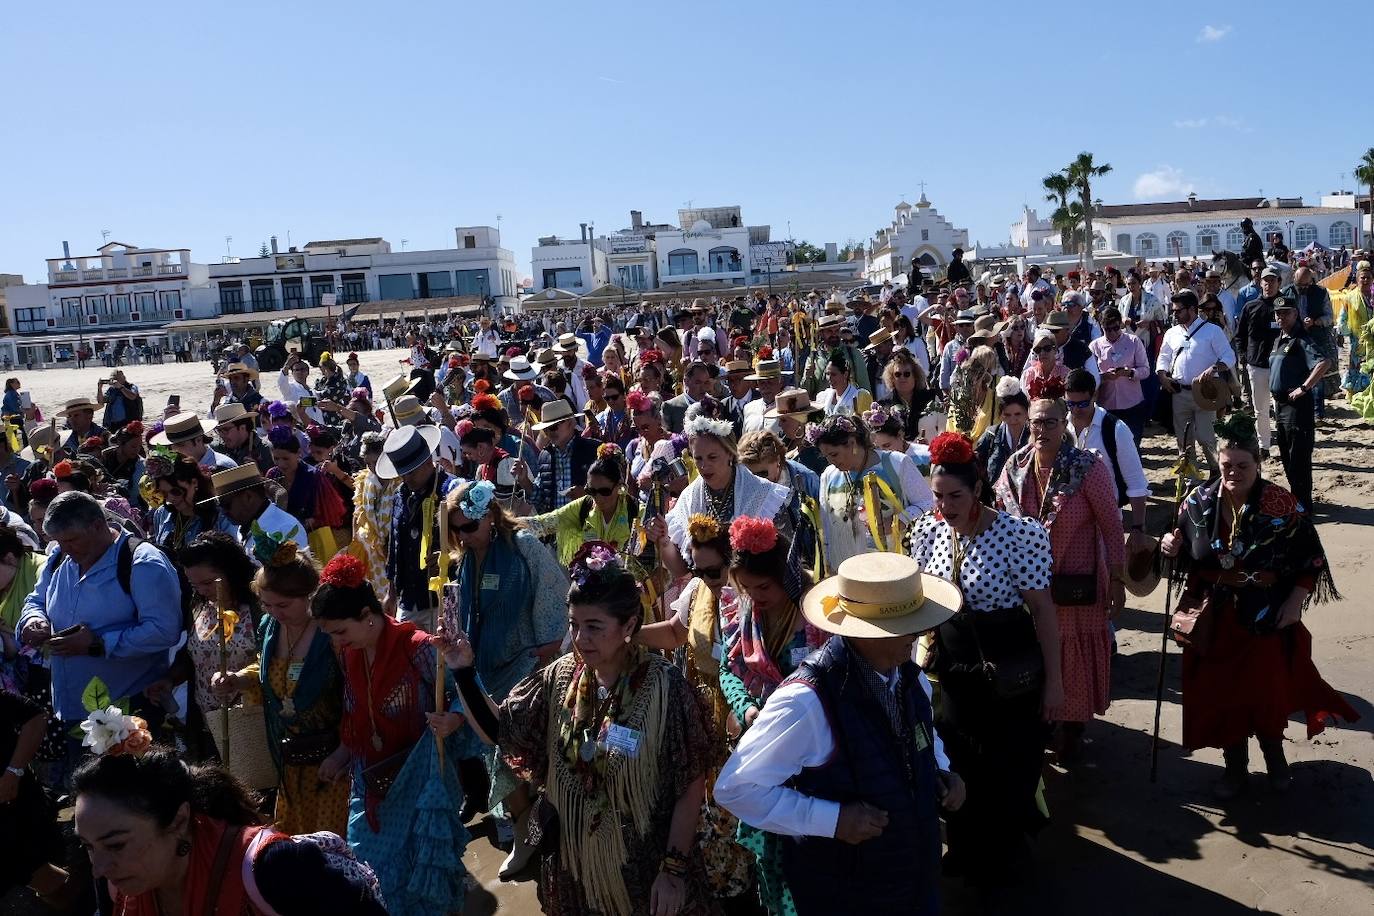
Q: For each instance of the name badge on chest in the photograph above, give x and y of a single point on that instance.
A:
(491, 582)
(622, 739)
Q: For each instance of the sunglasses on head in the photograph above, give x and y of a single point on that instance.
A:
(601, 491)
(466, 528)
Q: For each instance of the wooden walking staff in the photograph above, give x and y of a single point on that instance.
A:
(1167, 574)
(225, 619)
(437, 583)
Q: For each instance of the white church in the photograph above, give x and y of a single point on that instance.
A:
(919, 232)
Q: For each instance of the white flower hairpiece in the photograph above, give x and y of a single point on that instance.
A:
(699, 425)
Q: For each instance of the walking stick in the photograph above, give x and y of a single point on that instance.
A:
(225, 618)
(439, 612)
(1167, 574)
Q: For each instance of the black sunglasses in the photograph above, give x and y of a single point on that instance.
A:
(601, 491)
(467, 528)
(707, 572)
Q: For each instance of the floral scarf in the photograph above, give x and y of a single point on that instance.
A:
(1071, 467)
(753, 645)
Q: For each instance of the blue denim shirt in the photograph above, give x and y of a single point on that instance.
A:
(139, 631)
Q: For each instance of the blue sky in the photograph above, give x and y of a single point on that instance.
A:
(179, 124)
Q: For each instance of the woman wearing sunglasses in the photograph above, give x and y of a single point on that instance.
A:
(906, 381)
(603, 514)
(510, 602)
(1043, 365)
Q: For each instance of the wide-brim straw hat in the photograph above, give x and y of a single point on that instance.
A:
(408, 410)
(75, 405)
(181, 427)
(239, 369)
(1056, 321)
(396, 387)
(231, 412)
(1210, 393)
(41, 435)
(553, 413)
(520, 370)
(1142, 573)
(877, 595)
(233, 480)
(406, 449)
(794, 402)
(878, 338)
(766, 369)
(567, 341)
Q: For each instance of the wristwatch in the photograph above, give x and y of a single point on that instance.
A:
(17, 771)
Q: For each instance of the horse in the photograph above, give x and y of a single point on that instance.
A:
(1233, 270)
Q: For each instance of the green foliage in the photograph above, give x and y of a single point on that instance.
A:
(806, 253)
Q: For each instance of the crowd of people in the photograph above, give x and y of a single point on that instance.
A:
(749, 606)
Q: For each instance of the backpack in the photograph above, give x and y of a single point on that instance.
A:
(1109, 424)
(124, 563)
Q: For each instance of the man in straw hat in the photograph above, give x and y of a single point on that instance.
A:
(845, 750)
(767, 382)
(408, 456)
(791, 412)
(563, 464)
(572, 365)
(186, 434)
(236, 432)
(243, 498)
(80, 416)
(242, 390)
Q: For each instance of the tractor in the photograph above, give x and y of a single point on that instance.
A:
(284, 337)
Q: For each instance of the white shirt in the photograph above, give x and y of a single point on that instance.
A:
(790, 734)
(577, 385)
(291, 393)
(1127, 458)
(275, 520)
(487, 342)
(1186, 352)
(754, 419)
(1160, 289)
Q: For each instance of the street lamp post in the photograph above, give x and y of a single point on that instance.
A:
(1290, 234)
(768, 269)
(624, 272)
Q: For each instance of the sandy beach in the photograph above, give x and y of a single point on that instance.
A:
(1117, 843)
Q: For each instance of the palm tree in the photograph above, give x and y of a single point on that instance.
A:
(1081, 173)
(1069, 221)
(1059, 186)
(1364, 172)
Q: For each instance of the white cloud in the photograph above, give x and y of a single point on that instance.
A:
(1226, 122)
(1190, 123)
(1214, 32)
(1165, 181)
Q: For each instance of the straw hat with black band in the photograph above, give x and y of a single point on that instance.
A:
(231, 413)
(181, 427)
(408, 411)
(879, 595)
(76, 405)
(794, 403)
(766, 369)
(234, 480)
(240, 369)
(552, 413)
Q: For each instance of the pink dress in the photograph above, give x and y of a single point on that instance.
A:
(1085, 536)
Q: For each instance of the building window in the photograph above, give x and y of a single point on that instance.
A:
(264, 296)
(469, 241)
(436, 284)
(145, 303)
(395, 286)
(1208, 241)
(95, 305)
(562, 278)
(71, 308)
(171, 300)
(231, 298)
(1123, 243)
(632, 276)
(354, 288)
(1177, 243)
(474, 282)
(724, 260)
(1341, 233)
(292, 293)
(30, 319)
(925, 235)
(1147, 245)
(318, 287)
(1235, 239)
(120, 304)
(682, 262)
(1304, 235)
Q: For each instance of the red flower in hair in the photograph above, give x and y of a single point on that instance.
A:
(753, 535)
(344, 571)
(133, 429)
(453, 362)
(463, 428)
(43, 489)
(526, 394)
(486, 402)
(589, 371)
(740, 341)
(765, 352)
(481, 386)
(62, 470)
(638, 402)
(951, 448)
(650, 356)
(93, 443)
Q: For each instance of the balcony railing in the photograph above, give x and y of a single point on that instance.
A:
(141, 271)
(65, 276)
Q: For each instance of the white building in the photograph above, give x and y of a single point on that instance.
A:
(123, 295)
(632, 253)
(576, 265)
(710, 244)
(366, 270)
(919, 232)
(1196, 227)
(1349, 200)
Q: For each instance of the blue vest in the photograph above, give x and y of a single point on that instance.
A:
(899, 870)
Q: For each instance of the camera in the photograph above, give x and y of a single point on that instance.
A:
(664, 470)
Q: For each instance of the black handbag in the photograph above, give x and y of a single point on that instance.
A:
(1073, 589)
(1012, 677)
(308, 750)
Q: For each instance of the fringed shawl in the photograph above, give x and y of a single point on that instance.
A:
(1071, 467)
(754, 496)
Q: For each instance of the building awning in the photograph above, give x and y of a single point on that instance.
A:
(367, 311)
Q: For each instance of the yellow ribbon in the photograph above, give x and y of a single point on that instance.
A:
(831, 604)
(874, 485)
(812, 511)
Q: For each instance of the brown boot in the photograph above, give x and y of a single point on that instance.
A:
(1235, 780)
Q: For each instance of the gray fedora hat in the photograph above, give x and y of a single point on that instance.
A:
(406, 449)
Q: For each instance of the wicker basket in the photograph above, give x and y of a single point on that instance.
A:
(249, 758)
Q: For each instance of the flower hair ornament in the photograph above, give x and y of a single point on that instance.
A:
(475, 501)
(650, 356)
(275, 549)
(704, 425)
(702, 527)
(813, 433)
(360, 394)
(486, 401)
(344, 571)
(276, 410)
(594, 560)
(609, 450)
(526, 394)
(62, 470)
(840, 422)
(1237, 427)
(1008, 386)
(1051, 388)
(114, 732)
(753, 535)
(638, 402)
(951, 448)
(876, 416)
